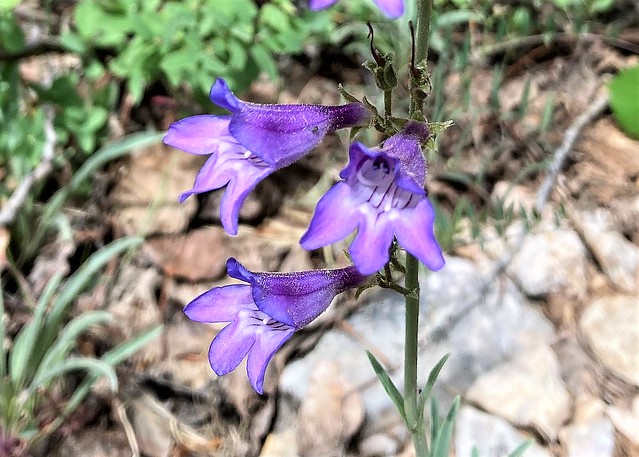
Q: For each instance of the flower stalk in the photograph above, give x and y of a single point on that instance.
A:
(414, 420)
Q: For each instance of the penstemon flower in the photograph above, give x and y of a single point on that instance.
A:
(391, 8)
(253, 142)
(264, 314)
(382, 194)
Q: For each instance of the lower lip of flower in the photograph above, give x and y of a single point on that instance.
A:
(376, 185)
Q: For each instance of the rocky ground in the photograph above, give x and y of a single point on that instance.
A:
(542, 321)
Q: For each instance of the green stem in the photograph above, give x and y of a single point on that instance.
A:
(388, 103)
(415, 423)
(422, 29)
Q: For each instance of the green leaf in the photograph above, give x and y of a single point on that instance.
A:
(3, 349)
(96, 368)
(264, 60)
(11, 36)
(21, 360)
(624, 100)
(87, 18)
(388, 385)
(72, 42)
(67, 339)
(520, 449)
(78, 282)
(428, 388)
(434, 419)
(125, 350)
(441, 445)
(6, 5)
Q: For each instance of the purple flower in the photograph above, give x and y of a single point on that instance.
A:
(381, 194)
(253, 142)
(391, 8)
(263, 315)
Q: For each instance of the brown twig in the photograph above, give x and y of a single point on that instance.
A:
(44, 46)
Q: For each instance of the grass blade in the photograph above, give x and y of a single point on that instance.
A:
(67, 339)
(21, 360)
(94, 367)
(78, 281)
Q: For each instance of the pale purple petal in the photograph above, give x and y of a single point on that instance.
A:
(230, 346)
(208, 178)
(415, 233)
(220, 304)
(200, 134)
(236, 192)
(391, 8)
(316, 5)
(267, 342)
(369, 250)
(335, 217)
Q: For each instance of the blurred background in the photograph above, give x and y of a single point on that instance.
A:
(535, 182)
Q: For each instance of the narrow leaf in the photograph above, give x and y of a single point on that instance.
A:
(441, 446)
(96, 368)
(21, 360)
(428, 388)
(520, 449)
(77, 282)
(67, 339)
(388, 384)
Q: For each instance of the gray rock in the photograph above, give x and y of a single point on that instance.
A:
(591, 433)
(625, 421)
(378, 445)
(551, 261)
(610, 325)
(492, 436)
(480, 332)
(527, 391)
(618, 257)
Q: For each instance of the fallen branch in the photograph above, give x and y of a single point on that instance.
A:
(15, 202)
(561, 153)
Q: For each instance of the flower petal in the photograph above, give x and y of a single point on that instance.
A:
(267, 342)
(369, 249)
(281, 134)
(208, 178)
(220, 304)
(236, 192)
(200, 134)
(316, 5)
(391, 8)
(230, 346)
(335, 217)
(222, 96)
(414, 231)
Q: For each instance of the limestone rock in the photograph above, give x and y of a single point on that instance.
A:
(551, 261)
(492, 436)
(527, 391)
(618, 257)
(626, 422)
(610, 325)
(591, 433)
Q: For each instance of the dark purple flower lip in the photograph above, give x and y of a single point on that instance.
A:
(264, 312)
